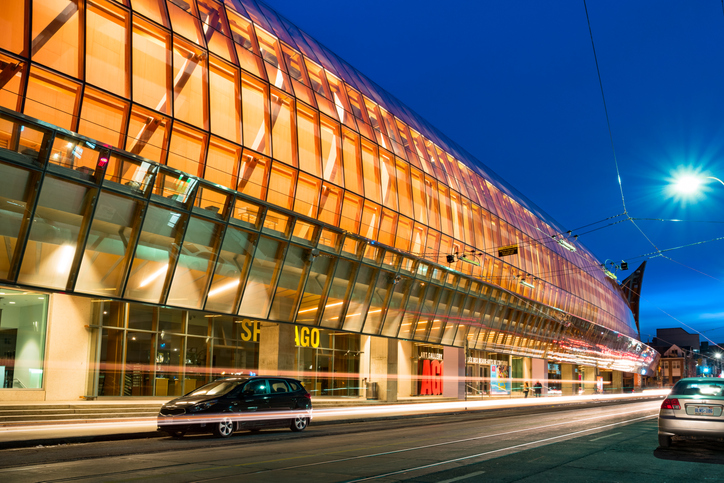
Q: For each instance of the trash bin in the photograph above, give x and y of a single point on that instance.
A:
(371, 389)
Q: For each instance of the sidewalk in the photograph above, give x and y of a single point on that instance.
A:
(326, 411)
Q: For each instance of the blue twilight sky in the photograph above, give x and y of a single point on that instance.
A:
(515, 83)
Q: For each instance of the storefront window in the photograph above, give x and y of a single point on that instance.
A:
(23, 317)
(328, 362)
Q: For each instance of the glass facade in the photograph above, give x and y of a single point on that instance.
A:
(210, 156)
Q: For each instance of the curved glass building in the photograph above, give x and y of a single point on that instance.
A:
(191, 188)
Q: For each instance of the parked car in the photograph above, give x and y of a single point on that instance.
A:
(237, 403)
(693, 408)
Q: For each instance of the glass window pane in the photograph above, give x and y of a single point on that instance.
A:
(111, 360)
(151, 68)
(255, 109)
(22, 339)
(103, 117)
(15, 186)
(194, 265)
(138, 365)
(161, 230)
(12, 26)
(259, 286)
(190, 77)
(224, 97)
(184, 21)
(359, 299)
(283, 128)
(52, 243)
(282, 181)
(169, 365)
(52, 98)
(412, 310)
(102, 267)
(290, 284)
(353, 179)
(153, 9)
(106, 47)
(187, 150)
(307, 195)
(56, 34)
(385, 282)
(331, 152)
(308, 132)
(371, 167)
(343, 275)
(231, 268)
(315, 288)
(148, 135)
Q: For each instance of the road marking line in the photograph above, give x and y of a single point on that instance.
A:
(463, 458)
(603, 437)
(464, 477)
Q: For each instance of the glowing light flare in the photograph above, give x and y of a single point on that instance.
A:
(224, 288)
(154, 276)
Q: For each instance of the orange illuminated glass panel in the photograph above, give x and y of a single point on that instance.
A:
(419, 240)
(360, 112)
(478, 227)
(12, 26)
(307, 195)
(351, 212)
(269, 48)
(153, 9)
(433, 203)
(106, 47)
(216, 29)
(418, 196)
(222, 163)
(388, 227)
(190, 76)
(318, 79)
(245, 214)
(224, 96)
(353, 179)
(9, 94)
(329, 204)
(52, 98)
(151, 67)
(404, 135)
(341, 103)
(56, 47)
(253, 175)
(371, 168)
(255, 109)
(298, 75)
(187, 150)
(457, 215)
(467, 216)
(419, 145)
(431, 246)
(103, 117)
(404, 187)
(404, 234)
(446, 219)
(331, 151)
(282, 181)
(184, 20)
(247, 49)
(388, 181)
(147, 135)
(308, 135)
(283, 128)
(370, 220)
(392, 132)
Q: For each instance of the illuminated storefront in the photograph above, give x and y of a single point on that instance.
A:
(174, 172)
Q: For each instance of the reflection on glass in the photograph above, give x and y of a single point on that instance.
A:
(290, 285)
(231, 268)
(265, 268)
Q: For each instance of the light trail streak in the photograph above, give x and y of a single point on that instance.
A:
(318, 414)
(463, 458)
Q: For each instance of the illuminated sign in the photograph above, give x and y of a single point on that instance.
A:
(306, 336)
(499, 381)
(509, 250)
(431, 378)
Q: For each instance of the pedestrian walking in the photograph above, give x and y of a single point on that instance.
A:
(526, 389)
(538, 388)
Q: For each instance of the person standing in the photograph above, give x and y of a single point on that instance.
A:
(526, 389)
(538, 387)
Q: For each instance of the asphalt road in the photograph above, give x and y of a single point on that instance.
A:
(604, 443)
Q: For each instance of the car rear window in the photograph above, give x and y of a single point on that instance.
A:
(277, 386)
(295, 386)
(715, 388)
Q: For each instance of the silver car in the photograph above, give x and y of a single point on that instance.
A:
(693, 408)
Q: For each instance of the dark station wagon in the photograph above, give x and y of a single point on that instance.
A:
(238, 403)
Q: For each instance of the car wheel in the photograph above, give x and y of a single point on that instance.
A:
(224, 428)
(178, 434)
(299, 423)
(664, 441)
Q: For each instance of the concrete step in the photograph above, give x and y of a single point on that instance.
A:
(38, 413)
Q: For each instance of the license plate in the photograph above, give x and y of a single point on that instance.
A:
(704, 410)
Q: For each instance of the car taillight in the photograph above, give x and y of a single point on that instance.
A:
(308, 396)
(670, 403)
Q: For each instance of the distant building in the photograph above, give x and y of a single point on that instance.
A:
(677, 336)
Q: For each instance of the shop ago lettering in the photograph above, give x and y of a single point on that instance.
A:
(306, 336)
(249, 330)
(431, 377)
